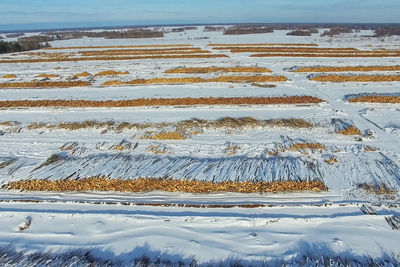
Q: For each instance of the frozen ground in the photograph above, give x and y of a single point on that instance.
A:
(119, 223)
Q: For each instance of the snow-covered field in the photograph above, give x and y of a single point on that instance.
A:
(219, 227)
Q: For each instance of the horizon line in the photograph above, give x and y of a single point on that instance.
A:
(45, 29)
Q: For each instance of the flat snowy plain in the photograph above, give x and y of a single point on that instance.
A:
(216, 227)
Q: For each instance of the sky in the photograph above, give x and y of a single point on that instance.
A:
(41, 14)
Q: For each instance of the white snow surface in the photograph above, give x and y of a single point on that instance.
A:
(60, 222)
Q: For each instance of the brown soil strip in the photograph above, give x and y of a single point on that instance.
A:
(44, 84)
(217, 69)
(293, 100)
(115, 46)
(376, 99)
(191, 80)
(265, 44)
(348, 68)
(112, 58)
(355, 55)
(169, 185)
(356, 78)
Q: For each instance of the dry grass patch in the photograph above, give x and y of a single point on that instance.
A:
(140, 50)
(355, 55)
(72, 126)
(146, 52)
(263, 44)
(156, 81)
(188, 101)
(331, 161)
(376, 189)
(249, 79)
(219, 69)
(287, 50)
(376, 99)
(355, 78)
(193, 126)
(169, 185)
(347, 68)
(157, 149)
(232, 150)
(172, 135)
(188, 80)
(290, 123)
(116, 46)
(369, 149)
(44, 75)
(110, 58)
(302, 146)
(83, 74)
(9, 76)
(263, 85)
(352, 130)
(111, 73)
(45, 84)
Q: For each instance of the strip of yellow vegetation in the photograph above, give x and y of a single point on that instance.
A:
(145, 52)
(188, 80)
(347, 68)
(188, 101)
(111, 73)
(356, 78)
(169, 185)
(116, 46)
(355, 55)
(249, 79)
(44, 84)
(219, 69)
(9, 76)
(44, 75)
(167, 50)
(263, 44)
(287, 49)
(108, 58)
(376, 99)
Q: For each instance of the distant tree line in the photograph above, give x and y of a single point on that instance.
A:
(15, 35)
(133, 33)
(18, 46)
(214, 28)
(303, 32)
(247, 30)
(337, 31)
(182, 29)
(387, 31)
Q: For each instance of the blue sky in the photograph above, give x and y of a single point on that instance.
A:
(28, 14)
